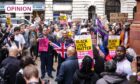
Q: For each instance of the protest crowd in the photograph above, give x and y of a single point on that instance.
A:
(87, 52)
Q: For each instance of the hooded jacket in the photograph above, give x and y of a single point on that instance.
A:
(111, 78)
(85, 78)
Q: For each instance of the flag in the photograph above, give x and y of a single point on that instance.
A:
(61, 48)
(100, 28)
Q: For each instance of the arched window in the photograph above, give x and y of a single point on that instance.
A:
(91, 12)
(112, 6)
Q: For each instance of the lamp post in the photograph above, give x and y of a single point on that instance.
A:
(135, 30)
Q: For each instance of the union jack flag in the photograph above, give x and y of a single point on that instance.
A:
(61, 48)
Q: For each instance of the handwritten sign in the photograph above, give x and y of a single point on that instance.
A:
(118, 17)
(43, 44)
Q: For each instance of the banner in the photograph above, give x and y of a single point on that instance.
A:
(43, 44)
(83, 46)
(18, 8)
(113, 43)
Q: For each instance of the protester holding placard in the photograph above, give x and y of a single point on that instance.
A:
(86, 74)
(93, 52)
(45, 54)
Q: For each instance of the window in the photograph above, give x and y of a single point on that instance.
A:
(34, 0)
(62, 0)
(91, 12)
(7, 0)
(112, 6)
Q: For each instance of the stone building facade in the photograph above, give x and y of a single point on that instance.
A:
(75, 8)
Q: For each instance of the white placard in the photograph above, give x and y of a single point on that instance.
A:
(18, 8)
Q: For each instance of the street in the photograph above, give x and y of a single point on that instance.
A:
(52, 81)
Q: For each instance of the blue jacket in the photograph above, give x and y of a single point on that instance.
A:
(67, 70)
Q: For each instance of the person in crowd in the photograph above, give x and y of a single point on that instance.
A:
(129, 55)
(46, 57)
(33, 43)
(131, 51)
(57, 32)
(13, 65)
(25, 61)
(86, 75)
(110, 76)
(3, 51)
(31, 75)
(66, 41)
(68, 67)
(123, 63)
(99, 61)
(50, 33)
(135, 77)
(24, 30)
(11, 42)
(124, 35)
(19, 37)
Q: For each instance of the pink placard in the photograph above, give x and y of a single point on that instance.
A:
(43, 44)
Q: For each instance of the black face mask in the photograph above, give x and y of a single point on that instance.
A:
(120, 57)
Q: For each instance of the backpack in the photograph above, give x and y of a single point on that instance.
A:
(3, 75)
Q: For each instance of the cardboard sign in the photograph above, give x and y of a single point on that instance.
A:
(118, 17)
(76, 20)
(18, 8)
(83, 46)
(113, 43)
(43, 44)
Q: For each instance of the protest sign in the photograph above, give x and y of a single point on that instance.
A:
(43, 44)
(118, 17)
(8, 19)
(83, 46)
(113, 43)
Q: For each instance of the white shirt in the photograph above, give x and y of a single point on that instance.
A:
(20, 39)
(124, 67)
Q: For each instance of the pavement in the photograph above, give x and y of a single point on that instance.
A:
(52, 81)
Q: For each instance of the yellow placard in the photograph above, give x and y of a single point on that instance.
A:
(8, 21)
(113, 42)
(62, 17)
(83, 44)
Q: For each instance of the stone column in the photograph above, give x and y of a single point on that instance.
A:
(100, 7)
(49, 9)
(135, 31)
(19, 2)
